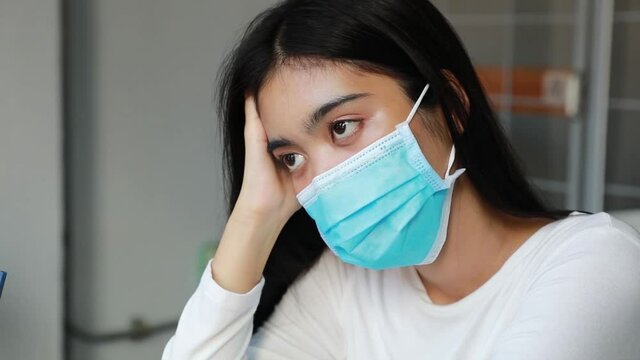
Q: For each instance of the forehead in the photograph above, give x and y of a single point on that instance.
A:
(292, 92)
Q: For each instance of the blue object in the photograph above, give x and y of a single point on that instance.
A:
(385, 206)
(3, 275)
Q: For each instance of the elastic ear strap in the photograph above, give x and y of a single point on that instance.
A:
(452, 157)
(417, 105)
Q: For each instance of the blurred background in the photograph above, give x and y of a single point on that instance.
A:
(110, 168)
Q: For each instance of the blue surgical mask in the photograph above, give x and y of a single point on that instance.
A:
(385, 206)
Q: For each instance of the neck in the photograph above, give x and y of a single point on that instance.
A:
(479, 241)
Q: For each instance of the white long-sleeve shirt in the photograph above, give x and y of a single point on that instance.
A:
(570, 292)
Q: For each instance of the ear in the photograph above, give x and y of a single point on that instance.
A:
(457, 88)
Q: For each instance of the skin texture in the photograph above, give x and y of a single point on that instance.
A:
(479, 239)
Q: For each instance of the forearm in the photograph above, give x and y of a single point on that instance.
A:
(243, 250)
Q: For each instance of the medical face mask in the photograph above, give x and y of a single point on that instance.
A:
(385, 206)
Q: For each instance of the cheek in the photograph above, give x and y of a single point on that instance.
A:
(299, 184)
(326, 156)
(323, 160)
(377, 126)
(301, 180)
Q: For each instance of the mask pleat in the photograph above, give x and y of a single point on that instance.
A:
(352, 193)
(395, 235)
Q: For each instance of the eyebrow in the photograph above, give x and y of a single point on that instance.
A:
(325, 108)
(312, 122)
(276, 143)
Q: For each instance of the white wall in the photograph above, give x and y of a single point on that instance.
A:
(147, 189)
(30, 180)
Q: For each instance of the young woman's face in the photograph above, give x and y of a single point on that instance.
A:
(317, 117)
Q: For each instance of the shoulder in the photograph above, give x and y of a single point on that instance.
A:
(581, 294)
(598, 233)
(582, 238)
(596, 251)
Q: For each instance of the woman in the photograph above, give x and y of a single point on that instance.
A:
(347, 127)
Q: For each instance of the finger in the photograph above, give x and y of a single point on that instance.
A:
(253, 125)
(250, 111)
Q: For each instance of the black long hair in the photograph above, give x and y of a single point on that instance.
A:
(409, 40)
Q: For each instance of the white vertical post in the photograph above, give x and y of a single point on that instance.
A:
(598, 106)
(574, 156)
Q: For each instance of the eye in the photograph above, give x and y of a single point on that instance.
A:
(342, 129)
(292, 160)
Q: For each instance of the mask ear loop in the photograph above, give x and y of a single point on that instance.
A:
(452, 157)
(452, 154)
(415, 106)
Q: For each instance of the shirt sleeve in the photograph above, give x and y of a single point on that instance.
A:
(584, 303)
(306, 324)
(217, 323)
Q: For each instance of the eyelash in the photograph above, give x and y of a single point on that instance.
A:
(344, 121)
(282, 157)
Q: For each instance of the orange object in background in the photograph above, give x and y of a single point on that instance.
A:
(537, 91)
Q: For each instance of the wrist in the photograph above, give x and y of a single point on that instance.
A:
(251, 216)
(256, 224)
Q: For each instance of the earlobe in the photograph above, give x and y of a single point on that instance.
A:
(457, 88)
